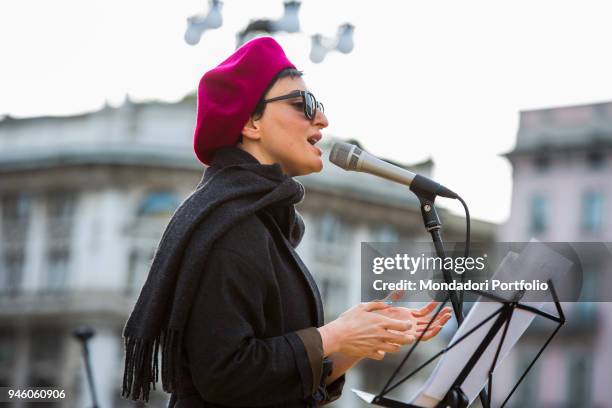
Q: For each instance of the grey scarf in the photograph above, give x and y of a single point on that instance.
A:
(234, 187)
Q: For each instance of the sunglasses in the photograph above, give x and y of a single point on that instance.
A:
(311, 105)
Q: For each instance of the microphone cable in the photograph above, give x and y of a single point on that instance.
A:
(466, 252)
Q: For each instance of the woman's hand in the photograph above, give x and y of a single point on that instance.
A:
(359, 332)
(420, 318)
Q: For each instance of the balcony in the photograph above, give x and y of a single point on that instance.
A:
(77, 305)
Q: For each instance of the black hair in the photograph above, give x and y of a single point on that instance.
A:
(287, 72)
(260, 107)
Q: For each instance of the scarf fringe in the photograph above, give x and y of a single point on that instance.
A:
(141, 371)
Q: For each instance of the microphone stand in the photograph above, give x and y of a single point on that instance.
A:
(425, 189)
(350, 157)
(432, 224)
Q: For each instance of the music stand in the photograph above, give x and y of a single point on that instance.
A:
(455, 397)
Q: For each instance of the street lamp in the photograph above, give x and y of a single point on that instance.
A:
(83, 334)
(345, 38)
(321, 45)
(289, 22)
(318, 50)
(196, 25)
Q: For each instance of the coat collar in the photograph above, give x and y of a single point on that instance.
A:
(234, 156)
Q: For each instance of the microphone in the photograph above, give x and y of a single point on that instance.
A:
(351, 157)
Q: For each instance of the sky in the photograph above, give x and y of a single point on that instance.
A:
(427, 79)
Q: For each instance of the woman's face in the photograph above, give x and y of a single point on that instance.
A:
(284, 132)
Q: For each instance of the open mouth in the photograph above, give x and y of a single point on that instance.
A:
(314, 139)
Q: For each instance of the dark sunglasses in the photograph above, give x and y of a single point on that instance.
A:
(311, 105)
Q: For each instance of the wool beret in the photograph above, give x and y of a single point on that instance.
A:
(228, 94)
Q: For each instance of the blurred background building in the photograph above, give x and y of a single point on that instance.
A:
(562, 192)
(84, 200)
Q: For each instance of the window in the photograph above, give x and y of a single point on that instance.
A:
(151, 216)
(58, 259)
(332, 242)
(38, 380)
(46, 351)
(60, 219)
(385, 233)
(13, 270)
(158, 203)
(46, 345)
(585, 310)
(332, 230)
(539, 209)
(592, 211)
(527, 393)
(596, 160)
(541, 163)
(579, 370)
(7, 349)
(138, 269)
(15, 222)
(333, 295)
(329, 228)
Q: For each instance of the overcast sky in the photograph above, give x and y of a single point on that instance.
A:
(440, 79)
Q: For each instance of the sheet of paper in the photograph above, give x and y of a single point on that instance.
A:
(366, 396)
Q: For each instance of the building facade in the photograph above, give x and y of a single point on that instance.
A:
(562, 167)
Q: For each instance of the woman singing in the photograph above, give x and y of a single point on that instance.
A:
(235, 312)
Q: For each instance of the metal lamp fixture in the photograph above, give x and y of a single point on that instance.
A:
(83, 334)
(289, 22)
(345, 38)
(196, 25)
(343, 42)
(318, 50)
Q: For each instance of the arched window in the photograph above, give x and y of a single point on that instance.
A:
(592, 211)
(539, 214)
(384, 233)
(60, 221)
(158, 203)
(14, 223)
(151, 216)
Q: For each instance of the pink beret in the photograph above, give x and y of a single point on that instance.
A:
(228, 94)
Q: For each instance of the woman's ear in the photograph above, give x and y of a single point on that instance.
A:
(251, 130)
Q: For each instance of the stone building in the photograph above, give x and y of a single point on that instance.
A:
(562, 167)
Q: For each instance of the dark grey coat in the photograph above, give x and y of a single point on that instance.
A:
(251, 337)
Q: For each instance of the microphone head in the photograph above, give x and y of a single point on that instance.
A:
(345, 155)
